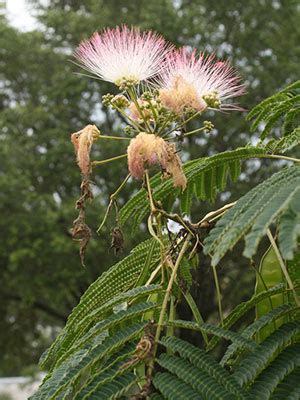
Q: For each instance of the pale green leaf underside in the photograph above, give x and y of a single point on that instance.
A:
(253, 214)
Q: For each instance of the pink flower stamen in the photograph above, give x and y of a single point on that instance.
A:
(123, 53)
(206, 76)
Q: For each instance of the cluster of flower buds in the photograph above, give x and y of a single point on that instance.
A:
(161, 89)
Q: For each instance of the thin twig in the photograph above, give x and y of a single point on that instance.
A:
(212, 214)
(111, 202)
(283, 157)
(100, 162)
(167, 296)
(218, 294)
(113, 137)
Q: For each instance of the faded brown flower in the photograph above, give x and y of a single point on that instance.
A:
(148, 149)
(82, 141)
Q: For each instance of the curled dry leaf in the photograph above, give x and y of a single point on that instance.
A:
(82, 233)
(82, 142)
(117, 239)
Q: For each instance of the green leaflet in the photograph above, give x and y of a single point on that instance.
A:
(103, 373)
(294, 272)
(270, 369)
(73, 335)
(203, 361)
(253, 213)
(119, 278)
(205, 175)
(285, 143)
(115, 389)
(294, 269)
(255, 327)
(284, 104)
(186, 199)
(215, 330)
(137, 310)
(289, 388)
(199, 380)
(286, 362)
(174, 388)
(254, 363)
(269, 275)
(240, 310)
(70, 369)
(289, 227)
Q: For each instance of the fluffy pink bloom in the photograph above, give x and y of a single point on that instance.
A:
(201, 76)
(123, 53)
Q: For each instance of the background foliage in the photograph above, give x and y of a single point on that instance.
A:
(43, 101)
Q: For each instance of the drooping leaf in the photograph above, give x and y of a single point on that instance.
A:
(253, 213)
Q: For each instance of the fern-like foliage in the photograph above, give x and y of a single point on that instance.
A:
(257, 361)
(262, 372)
(102, 354)
(117, 280)
(203, 361)
(284, 105)
(205, 177)
(121, 341)
(254, 328)
(104, 363)
(253, 214)
(285, 143)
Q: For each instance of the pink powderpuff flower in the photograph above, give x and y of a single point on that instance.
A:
(197, 82)
(123, 53)
(148, 149)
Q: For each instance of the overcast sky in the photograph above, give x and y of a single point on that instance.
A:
(18, 14)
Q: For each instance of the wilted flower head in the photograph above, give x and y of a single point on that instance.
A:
(82, 142)
(123, 55)
(148, 149)
(198, 82)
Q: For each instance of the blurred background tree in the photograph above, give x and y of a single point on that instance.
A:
(43, 101)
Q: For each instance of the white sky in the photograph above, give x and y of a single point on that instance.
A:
(18, 14)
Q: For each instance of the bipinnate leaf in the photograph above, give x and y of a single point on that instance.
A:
(253, 213)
